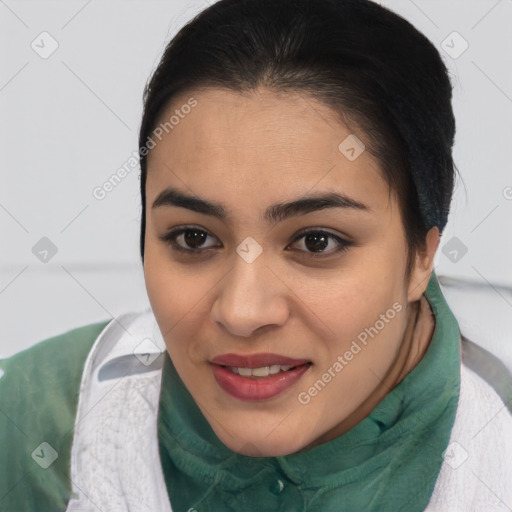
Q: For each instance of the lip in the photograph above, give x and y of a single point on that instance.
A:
(250, 389)
(256, 360)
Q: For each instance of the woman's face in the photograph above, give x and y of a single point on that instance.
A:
(292, 253)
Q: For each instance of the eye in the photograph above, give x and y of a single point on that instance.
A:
(317, 242)
(312, 242)
(189, 239)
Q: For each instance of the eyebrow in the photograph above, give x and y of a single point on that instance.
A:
(274, 213)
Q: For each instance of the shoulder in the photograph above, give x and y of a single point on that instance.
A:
(477, 464)
(39, 390)
(483, 418)
(47, 370)
(65, 347)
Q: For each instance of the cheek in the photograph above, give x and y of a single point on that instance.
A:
(356, 294)
(180, 303)
(364, 308)
(162, 288)
(367, 322)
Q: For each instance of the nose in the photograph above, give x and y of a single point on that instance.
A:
(251, 299)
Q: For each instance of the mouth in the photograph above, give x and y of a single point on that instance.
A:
(257, 377)
(262, 371)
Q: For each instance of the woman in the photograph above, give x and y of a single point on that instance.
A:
(296, 174)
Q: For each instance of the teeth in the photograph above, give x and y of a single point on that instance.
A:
(264, 371)
(261, 372)
(275, 368)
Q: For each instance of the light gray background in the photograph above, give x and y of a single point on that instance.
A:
(70, 121)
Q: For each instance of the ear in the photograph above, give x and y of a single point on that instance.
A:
(423, 264)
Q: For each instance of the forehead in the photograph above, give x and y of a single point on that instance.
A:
(265, 144)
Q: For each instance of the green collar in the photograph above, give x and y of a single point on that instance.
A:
(388, 461)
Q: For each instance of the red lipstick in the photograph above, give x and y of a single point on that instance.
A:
(256, 360)
(250, 388)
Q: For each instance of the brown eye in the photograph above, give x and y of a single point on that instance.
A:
(319, 243)
(189, 239)
(316, 242)
(194, 238)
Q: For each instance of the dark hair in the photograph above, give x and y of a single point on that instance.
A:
(370, 65)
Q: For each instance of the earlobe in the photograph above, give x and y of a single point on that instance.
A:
(423, 265)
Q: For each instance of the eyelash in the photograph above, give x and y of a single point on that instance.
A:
(171, 236)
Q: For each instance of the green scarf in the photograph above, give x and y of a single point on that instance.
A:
(388, 462)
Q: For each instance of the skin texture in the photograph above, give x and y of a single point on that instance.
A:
(248, 152)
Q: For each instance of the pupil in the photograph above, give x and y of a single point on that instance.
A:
(316, 242)
(194, 238)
